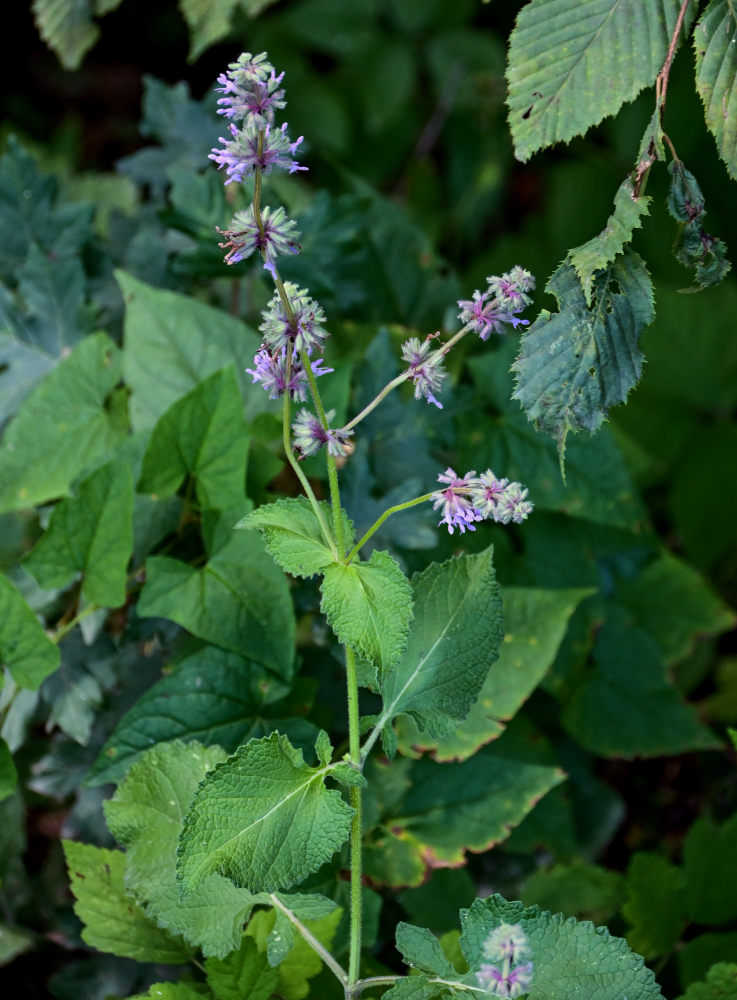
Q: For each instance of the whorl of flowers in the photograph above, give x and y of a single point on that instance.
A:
(467, 499)
(511, 976)
(276, 236)
(425, 368)
(310, 436)
(303, 330)
(251, 89)
(487, 312)
(277, 375)
(256, 146)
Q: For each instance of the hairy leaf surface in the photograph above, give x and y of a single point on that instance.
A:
(695, 248)
(293, 536)
(716, 76)
(245, 972)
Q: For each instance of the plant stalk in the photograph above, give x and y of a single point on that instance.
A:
(356, 799)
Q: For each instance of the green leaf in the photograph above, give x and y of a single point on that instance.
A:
(694, 246)
(65, 425)
(708, 861)
(369, 607)
(67, 28)
(113, 922)
(90, 533)
(716, 76)
(182, 990)
(24, 646)
(173, 341)
(421, 950)
(293, 536)
(239, 601)
(8, 773)
(575, 62)
(270, 837)
(54, 293)
(576, 364)
(283, 935)
(697, 956)
(245, 972)
(204, 435)
(597, 253)
(587, 892)
(535, 623)
(454, 640)
(720, 984)
(213, 696)
(145, 816)
(208, 21)
(655, 906)
(13, 942)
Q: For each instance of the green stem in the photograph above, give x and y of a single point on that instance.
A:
(379, 521)
(365, 984)
(312, 941)
(354, 736)
(73, 622)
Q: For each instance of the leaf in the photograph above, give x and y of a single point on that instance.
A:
(292, 534)
(113, 923)
(245, 972)
(173, 341)
(213, 696)
(535, 623)
(369, 607)
(576, 364)
(208, 21)
(283, 936)
(721, 984)
(54, 293)
(181, 990)
(65, 425)
(239, 601)
(14, 942)
(655, 906)
(90, 533)
(421, 950)
(285, 827)
(716, 76)
(454, 640)
(8, 773)
(711, 881)
(203, 435)
(67, 28)
(697, 956)
(145, 815)
(587, 892)
(24, 646)
(694, 246)
(575, 62)
(597, 253)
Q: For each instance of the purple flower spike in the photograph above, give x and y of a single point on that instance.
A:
(256, 146)
(510, 977)
(271, 371)
(310, 436)
(304, 331)
(487, 312)
(458, 512)
(279, 236)
(425, 368)
(251, 89)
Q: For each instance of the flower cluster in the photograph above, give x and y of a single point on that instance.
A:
(310, 436)
(425, 368)
(470, 498)
(253, 147)
(510, 975)
(281, 372)
(300, 327)
(276, 235)
(251, 89)
(487, 312)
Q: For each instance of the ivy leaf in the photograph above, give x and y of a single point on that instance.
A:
(65, 425)
(113, 923)
(24, 646)
(369, 607)
(204, 435)
(145, 815)
(575, 62)
(454, 640)
(597, 253)
(694, 246)
(8, 773)
(576, 364)
(245, 972)
(293, 536)
(239, 601)
(655, 906)
(716, 76)
(286, 827)
(90, 533)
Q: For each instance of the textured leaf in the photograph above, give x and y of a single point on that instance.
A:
(90, 533)
(720, 984)
(716, 76)
(8, 773)
(697, 956)
(369, 607)
(573, 62)
(576, 364)
(587, 892)
(239, 601)
(204, 435)
(145, 816)
(283, 936)
(65, 425)
(694, 246)
(285, 827)
(245, 972)
(454, 640)
(421, 950)
(293, 536)
(24, 646)
(212, 696)
(600, 251)
(112, 921)
(655, 906)
(708, 860)
(172, 991)
(54, 293)
(173, 341)
(67, 28)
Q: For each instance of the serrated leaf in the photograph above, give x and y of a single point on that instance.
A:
(708, 861)
(24, 646)
(8, 773)
(369, 607)
(245, 972)
(90, 533)
(171, 342)
(720, 984)
(113, 922)
(573, 62)
(716, 76)
(587, 892)
(577, 363)
(421, 950)
(239, 601)
(454, 640)
(655, 905)
(283, 935)
(203, 435)
(285, 827)
(145, 815)
(597, 253)
(65, 425)
(67, 28)
(694, 246)
(213, 696)
(293, 536)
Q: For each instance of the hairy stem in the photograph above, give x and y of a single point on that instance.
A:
(354, 736)
(312, 941)
(380, 520)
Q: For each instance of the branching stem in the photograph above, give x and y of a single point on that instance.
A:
(312, 941)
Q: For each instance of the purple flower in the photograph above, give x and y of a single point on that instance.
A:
(310, 436)
(510, 290)
(271, 371)
(251, 89)
(488, 311)
(507, 945)
(458, 512)
(304, 331)
(254, 147)
(477, 498)
(278, 236)
(507, 941)
(425, 368)
(507, 983)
